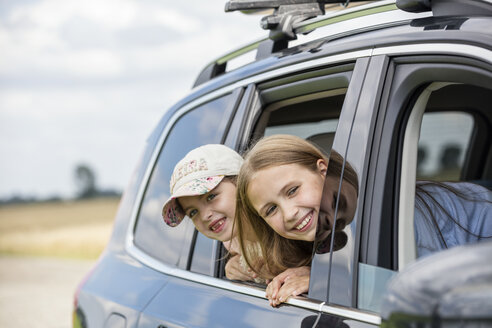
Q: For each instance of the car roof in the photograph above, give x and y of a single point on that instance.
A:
(374, 24)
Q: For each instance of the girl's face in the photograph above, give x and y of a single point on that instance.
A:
(213, 213)
(288, 197)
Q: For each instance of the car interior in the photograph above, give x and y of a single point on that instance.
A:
(454, 136)
(473, 101)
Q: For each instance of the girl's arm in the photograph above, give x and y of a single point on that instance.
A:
(234, 270)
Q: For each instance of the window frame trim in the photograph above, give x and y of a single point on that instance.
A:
(407, 252)
(238, 287)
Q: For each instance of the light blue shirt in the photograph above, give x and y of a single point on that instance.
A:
(464, 214)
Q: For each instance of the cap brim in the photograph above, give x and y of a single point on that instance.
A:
(172, 213)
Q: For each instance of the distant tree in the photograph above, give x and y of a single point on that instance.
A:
(85, 180)
(18, 199)
(110, 193)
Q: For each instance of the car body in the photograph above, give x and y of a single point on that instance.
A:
(400, 95)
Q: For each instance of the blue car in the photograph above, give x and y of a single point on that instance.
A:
(402, 90)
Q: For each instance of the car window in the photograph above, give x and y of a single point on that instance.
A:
(308, 108)
(314, 117)
(444, 141)
(307, 130)
(448, 200)
(202, 125)
(446, 203)
(203, 258)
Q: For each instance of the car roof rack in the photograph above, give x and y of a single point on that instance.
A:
(265, 46)
(288, 19)
(286, 13)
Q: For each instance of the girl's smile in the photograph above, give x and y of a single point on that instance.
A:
(287, 197)
(213, 212)
(218, 225)
(305, 222)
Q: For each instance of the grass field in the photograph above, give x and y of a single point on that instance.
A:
(71, 229)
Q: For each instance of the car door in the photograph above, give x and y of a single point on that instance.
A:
(439, 121)
(436, 101)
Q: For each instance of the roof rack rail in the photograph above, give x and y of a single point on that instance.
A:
(219, 66)
(286, 13)
(447, 7)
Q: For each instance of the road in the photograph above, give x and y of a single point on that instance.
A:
(38, 292)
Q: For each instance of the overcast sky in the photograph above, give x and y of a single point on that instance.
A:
(86, 82)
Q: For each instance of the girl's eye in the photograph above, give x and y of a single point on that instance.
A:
(211, 196)
(292, 190)
(270, 210)
(334, 202)
(192, 213)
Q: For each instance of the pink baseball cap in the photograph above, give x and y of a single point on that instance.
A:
(200, 171)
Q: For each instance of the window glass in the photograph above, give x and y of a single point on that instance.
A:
(443, 215)
(313, 119)
(448, 212)
(445, 146)
(304, 130)
(202, 125)
(444, 139)
(203, 255)
(372, 284)
(320, 133)
(336, 223)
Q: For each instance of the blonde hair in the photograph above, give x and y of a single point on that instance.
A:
(278, 253)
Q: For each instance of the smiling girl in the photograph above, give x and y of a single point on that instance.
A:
(277, 170)
(203, 187)
(283, 192)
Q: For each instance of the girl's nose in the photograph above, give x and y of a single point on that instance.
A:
(290, 212)
(208, 215)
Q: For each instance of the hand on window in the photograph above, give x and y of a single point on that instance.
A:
(291, 282)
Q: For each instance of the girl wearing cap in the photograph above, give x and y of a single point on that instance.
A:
(203, 187)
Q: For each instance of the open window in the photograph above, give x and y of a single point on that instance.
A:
(434, 139)
(450, 126)
(308, 105)
(313, 117)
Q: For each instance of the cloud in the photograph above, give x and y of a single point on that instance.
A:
(52, 14)
(88, 81)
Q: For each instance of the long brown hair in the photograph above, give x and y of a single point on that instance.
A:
(278, 253)
(424, 200)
